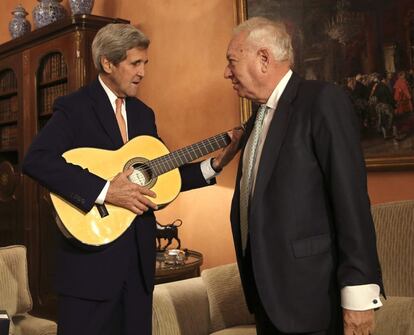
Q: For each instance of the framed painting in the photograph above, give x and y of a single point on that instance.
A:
(365, 46)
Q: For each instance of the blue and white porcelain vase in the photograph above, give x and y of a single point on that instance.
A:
(18, 25)
(48, 11)
(81, 6)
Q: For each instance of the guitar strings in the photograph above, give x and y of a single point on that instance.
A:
(163, 161)
(161, 164)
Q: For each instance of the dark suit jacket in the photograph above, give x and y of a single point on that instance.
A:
(86, 118)
(310, 227)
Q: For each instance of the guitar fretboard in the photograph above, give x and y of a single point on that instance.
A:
(187, 154)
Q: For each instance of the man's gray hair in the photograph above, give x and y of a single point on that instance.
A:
(114, 40)
(266, 33)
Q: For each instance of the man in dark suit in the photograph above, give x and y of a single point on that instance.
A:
(108, 290)
(302, 228)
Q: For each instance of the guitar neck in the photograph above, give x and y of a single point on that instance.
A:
(187, 154)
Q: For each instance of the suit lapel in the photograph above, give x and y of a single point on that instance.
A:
(105, 113)
(275, 137)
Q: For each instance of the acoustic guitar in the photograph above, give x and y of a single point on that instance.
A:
(154, 167)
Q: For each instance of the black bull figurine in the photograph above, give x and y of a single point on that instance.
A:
(168, 232)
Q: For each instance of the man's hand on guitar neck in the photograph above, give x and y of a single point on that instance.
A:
(123, 193)
(227, 154)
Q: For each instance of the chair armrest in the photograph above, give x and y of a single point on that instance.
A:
(181, 308)
(27, 324)
(395, 316)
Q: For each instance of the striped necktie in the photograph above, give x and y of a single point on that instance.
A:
(247, 179)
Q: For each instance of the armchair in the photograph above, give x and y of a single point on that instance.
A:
(15, 296)
(394, 224)
(211, 304)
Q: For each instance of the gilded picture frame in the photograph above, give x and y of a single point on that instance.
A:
(352, 42)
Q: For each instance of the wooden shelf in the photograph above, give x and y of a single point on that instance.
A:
(11, 156)
(12, 149)
(46, 115)
(7, 93)
(8, 121)
(53, 82)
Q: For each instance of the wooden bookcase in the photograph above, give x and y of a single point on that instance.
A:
(35, 69)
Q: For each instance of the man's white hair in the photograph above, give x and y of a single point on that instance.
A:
(265, 33)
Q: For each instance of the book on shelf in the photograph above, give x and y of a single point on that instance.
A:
(8, 81)
(45, 73)
(8, 137)
(63, 68)
(46, 100)
(48, 95)
(54, 68)
(14, 107)
(9, 108)
(52, 61)
(42, 101)
(6, 108)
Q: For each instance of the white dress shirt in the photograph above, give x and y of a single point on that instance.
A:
(357, 297)
(206, 169)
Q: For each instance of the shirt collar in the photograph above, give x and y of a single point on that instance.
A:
(111, 95)
(277, 92)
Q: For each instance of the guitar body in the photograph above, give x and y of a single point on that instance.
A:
(93, 229)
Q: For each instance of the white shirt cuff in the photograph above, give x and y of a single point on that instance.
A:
(361, 297)
(207, 171)
(101, 197)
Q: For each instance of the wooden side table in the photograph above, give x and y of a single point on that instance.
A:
(165, 273)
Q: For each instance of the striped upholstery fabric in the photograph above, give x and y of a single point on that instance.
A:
(183, 307)
(394, 224)
(180, 308)
(226, 299)
(396, 317)
(14, 293)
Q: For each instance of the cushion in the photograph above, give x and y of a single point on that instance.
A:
(395, 316)
(226, 299)
(180, 308)
(14, 286)
(27, 324)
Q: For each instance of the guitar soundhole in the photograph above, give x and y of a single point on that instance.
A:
(142, 174)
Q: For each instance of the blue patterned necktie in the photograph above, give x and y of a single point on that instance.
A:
(247, 179)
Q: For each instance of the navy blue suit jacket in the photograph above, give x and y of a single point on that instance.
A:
(310, 227)
(86, 118)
